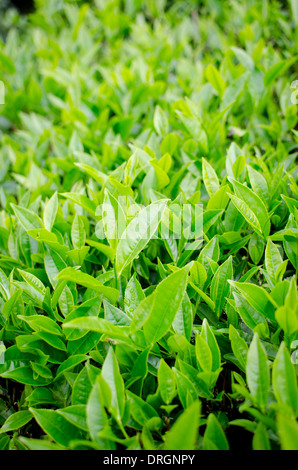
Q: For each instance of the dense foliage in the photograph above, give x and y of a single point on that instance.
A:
(112, 338)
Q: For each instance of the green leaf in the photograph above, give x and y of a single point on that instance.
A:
(76, 415)
(246, 212)
(287, 314)
(24, 375)
(238, 166)
(78, 234)
(251, 207)
(138, 233)
(16, 421)
(84, 279)
(111, 374)
(50, 212)
(214, 437)
(284, 379)
(250, 316)
(160, 121)
(210, 178)
(204, 296)
(42, 323)
(54, 263)
(260, 439)
(141, 411)
(70, 363)
(219, 289)
(56, 426)
(287, 428)
(27, 218)
(183, 320)
(100, 325)
(33, 281)
(115, 315)
(257, 297)
(273, 260)
(239, 347)
(166, 382)
(102, 248)
(96, 415)
(203, 354)
(277, 70)
(244, 58)
(133, 295)
(82, 201)
(259, 184)
(213, 76)
(186, 389)
(208, 335)
(256, 247)
(82, 387)
(257, 372)
(39, 444)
